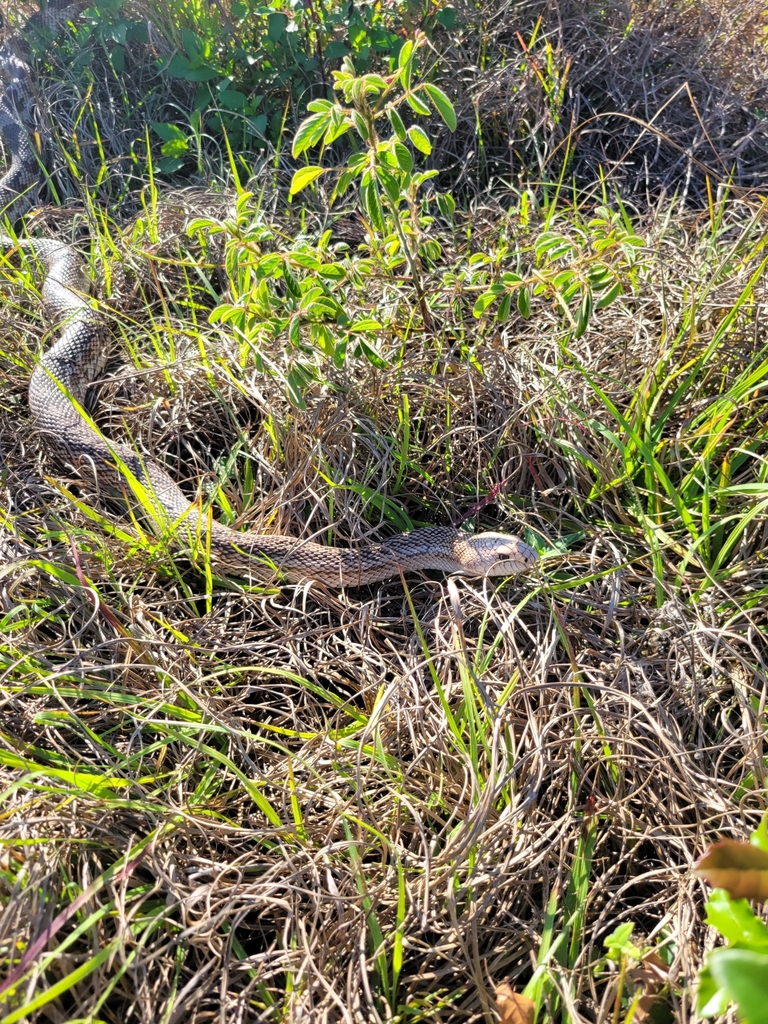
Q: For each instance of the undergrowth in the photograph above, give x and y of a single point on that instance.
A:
(264, 803)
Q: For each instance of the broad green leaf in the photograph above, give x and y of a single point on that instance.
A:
(420, 139)
(369, 193)
(405, 63)
(364, 325)
(309, 132)
(443, 104)
(397, 123)
(303, 177)
(403, 157)
(610, 296)
(418, 105)
(488, 298)
(371, 354)
(744, 976)
(446, 204)
(583, 313)
(390, 186)
(736, 922)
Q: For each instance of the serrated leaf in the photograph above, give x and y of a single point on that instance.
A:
(303, 177)
(443, 104)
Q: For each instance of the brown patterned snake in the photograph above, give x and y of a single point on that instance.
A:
(64, 373)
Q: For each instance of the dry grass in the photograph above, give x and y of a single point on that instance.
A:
(396, 781)
(238, 804)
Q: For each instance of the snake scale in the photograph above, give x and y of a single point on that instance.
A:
(64, 373)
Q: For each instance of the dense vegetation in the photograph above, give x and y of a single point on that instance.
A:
(372, 267)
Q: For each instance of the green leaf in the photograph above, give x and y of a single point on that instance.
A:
(303, 177)
(524, 302)
(502, 314)
(372, 203)
(397, 124)
(446, 204)
(292, 285)
(418, 105)
(117, 59)
(744, 976)
(420, 139)
(294, 331)
(180, 67)
(487, 299)
(610, 296)
(364, 325)
(583, 314)
(403, 157)
(323, 339)
(336, 49)
(309, 132)
(443, 104)
(276, 24)
(711, 1000)
(405, 63)
(371, 354)
(295, 381)
(390, 186)
(736, 922)
(549, 240)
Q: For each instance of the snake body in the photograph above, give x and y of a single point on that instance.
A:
(64, 373)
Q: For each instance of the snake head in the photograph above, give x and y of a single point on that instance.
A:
(496, 554)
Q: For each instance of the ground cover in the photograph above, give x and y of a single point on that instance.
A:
(239, 803)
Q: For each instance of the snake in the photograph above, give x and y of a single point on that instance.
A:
(63, 374)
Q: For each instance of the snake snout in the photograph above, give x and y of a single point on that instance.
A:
(513, 557)
(499, 554)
